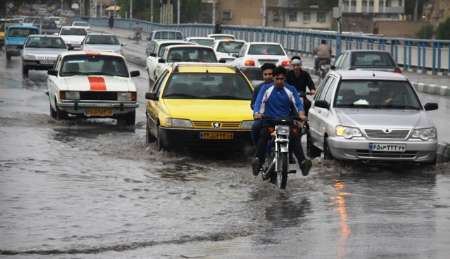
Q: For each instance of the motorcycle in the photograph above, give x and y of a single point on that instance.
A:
(324, 67)
(276, 167)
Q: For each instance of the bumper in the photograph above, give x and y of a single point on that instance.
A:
(191, 138)
(84, 107)
(12, 50)
(358, 149)
(37, 64)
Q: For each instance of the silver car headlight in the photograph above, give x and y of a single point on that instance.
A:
(246, 124)
(29, 57)
(72, 95)
(179, 123)
(126, 96)
(424, 134)
(348, 132)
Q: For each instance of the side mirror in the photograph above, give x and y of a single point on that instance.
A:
(322, 104)
(431, 106)
(70, 48)
(152, 55)
(235, 55)
(149, 38)
(151, 96)
(52, 72)
(161, 60)
(333, 67)
(222, 60)
(135, 73)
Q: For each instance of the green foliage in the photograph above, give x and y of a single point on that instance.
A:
(443, 30)
(425, 32)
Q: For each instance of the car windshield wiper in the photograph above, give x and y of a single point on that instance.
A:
(409, 107)
(227, 97)
(181, 95)
(71, 73)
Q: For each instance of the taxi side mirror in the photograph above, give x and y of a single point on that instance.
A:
(135, 73)
(151, 96)
(322, 104)
(223, 60)
(431, 106)
(52, 72)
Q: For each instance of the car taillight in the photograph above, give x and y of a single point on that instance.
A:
(249, 63)
(285, 63)
(397, 70)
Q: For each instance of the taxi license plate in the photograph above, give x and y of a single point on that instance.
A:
(100, 112)
(387, 147)
(217, 135)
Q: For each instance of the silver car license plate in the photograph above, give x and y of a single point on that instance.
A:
(378, 147)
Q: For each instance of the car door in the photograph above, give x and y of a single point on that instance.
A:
(52, 83)
(319, 116)
(152, 60)
(239, 60)
(161, 67)
(153, 106)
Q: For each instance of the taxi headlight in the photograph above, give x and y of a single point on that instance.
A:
(71, 95)
(246, 124)
(179, 123)
(126, 96)
(424, 134)
(348, 132)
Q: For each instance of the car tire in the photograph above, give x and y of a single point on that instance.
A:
(326, 150)
(311, 150)
(25, 71)
(127, 119)
(160, 143)
(52, 112)
(8, 57)
(149, 138)
(61, 115)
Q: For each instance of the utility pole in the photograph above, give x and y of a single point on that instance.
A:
(264, 13)
(151, 10)
(131, 9)
(214, 12)
(178, 12)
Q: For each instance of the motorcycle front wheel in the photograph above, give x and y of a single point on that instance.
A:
(280, 178)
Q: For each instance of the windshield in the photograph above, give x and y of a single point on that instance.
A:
(230, 46)
(191, 55)
(21, 32)
(163, 46)
(45, 42)
(376, 94)
(372, 59)
(208, 86)
(102, 39)
(168, 35)
(265, 49)
(93, 65)
(203, 42)
(73, 31)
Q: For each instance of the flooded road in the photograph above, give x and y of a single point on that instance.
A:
(92, 189)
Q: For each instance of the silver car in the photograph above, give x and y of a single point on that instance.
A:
(371, 115)
(40, 52)
(102, 42)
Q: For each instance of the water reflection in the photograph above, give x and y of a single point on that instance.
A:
(343, 219)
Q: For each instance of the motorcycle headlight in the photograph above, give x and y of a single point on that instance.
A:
(72, 95)
(246, 124)
(424, 134)
(126, 96)
(348, 132)
(282, 130)
(179, 123)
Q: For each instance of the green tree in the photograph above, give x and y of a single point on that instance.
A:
(425, 32)
(443, 30)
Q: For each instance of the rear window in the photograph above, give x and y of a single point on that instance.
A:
(21, 32)
(168, 35)
(229, 46)
(45, 42)
(372, 59)
(73, 31)
(208, 86)
(266, 49)
(102, 39)
(203, 42)
(191, 55)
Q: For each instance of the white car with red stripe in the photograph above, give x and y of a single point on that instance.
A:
(255, 54)
(92, 85)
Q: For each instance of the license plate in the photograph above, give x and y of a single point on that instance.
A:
(46, 62)
(100, 112)
(387, 147)
(217, 135)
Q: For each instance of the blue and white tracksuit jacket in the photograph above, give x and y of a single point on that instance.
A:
(278, 102)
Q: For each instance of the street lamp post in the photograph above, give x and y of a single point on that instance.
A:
(131, 9)
(178, 11)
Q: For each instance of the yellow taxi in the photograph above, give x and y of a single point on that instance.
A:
(206, 105)
(2, 32)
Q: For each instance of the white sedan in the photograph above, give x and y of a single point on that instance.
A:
(255, 54)
(73, 36)
(102, 42)
(227, 50)
(92, 85)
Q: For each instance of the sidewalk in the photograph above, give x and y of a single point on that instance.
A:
(135, 53)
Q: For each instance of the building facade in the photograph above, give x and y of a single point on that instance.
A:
(389, 9)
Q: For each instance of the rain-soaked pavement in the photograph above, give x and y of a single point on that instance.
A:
(90, 189)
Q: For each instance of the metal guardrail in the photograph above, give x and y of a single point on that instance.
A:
(411, 54)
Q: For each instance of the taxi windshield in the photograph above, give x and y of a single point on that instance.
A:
(207, 86)
(93, 65)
